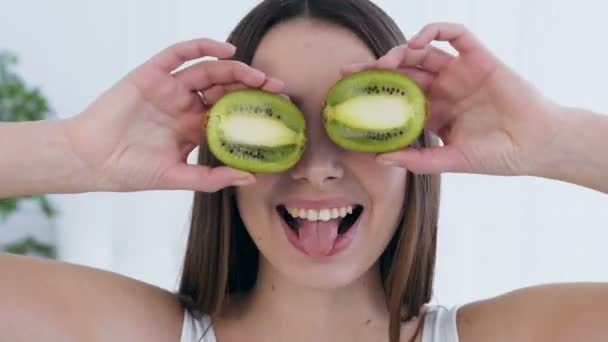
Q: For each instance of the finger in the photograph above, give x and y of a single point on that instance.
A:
(429, 58)
(423, 78)
(393, 58)
(356, 67)
(213, 94)
(429, 160)
(456, 34)
(273, 85)
(204, 178)
(172, 57)
(209, 73)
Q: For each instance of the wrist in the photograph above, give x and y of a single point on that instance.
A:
(61, 170)
(39, 160)
(577, 153)
(82, 174)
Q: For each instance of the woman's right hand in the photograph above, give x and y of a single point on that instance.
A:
(138, 134)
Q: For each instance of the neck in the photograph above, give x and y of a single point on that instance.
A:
(280, 310)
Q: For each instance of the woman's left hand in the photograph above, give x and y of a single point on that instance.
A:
(490, 120)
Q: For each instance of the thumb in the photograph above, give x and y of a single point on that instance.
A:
(429, 160)
(205, 178)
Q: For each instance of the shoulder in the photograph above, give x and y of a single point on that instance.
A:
(80, 303)
(136, 311)
(551, 312)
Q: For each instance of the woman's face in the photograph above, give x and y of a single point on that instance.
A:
(319, 248)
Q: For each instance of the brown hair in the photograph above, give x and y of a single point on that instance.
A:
(221, 259)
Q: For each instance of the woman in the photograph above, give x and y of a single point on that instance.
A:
(244, 278)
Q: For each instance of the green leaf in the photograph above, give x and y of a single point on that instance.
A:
(7, 207)
(45, 206)
(17, 101)
(30, 246)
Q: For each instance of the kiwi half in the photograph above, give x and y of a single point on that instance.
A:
(375, 111)
(256, 131)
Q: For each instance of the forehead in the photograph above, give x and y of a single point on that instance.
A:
(307, 53)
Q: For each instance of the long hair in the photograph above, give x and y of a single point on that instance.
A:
(221, 259)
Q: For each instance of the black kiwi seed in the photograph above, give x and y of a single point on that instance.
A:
(383, 136)
(253, 151)
(341, 115)
(246, 152)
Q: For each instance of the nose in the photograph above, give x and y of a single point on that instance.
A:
(321, 161)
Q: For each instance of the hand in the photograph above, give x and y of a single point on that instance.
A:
(489, 119)
(138, 135)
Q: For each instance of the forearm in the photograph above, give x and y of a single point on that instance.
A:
(36, 158)
(581, 150)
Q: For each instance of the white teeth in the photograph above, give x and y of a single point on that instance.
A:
(324, 214)
(335, 213)
(313, 215)
(321, 214)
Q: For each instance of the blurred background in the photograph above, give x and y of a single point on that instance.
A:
(496, 233)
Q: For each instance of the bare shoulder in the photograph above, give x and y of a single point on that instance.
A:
(556, 312)
(50, 300)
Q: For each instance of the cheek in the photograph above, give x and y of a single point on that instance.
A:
(254, 205)
(386, 187)
(390, 183)
(388, 197)
(383, 183)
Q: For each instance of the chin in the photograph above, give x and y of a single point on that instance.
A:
(323, 276)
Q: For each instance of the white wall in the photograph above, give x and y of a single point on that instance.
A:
(496, 233)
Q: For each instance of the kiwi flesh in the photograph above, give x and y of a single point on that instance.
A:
(256, 131)
(375, 111)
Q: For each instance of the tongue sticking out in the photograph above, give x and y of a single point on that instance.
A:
(317, 238)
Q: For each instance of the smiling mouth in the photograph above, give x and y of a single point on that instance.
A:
(346, 217)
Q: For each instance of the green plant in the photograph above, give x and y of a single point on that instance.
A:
(18, 102)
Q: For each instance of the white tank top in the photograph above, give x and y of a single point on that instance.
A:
(439, 326)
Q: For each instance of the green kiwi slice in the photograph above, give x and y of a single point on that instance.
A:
(256, 131)
(375, 111)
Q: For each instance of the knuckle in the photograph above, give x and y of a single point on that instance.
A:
(237, 67)
(173, 49)
(206, 41)
(241, 66)
(460, 27)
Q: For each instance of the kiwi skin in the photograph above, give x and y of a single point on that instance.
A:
(382, 83)
(254, 104)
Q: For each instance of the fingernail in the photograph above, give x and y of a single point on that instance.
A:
(244, 181)
(388, 162)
